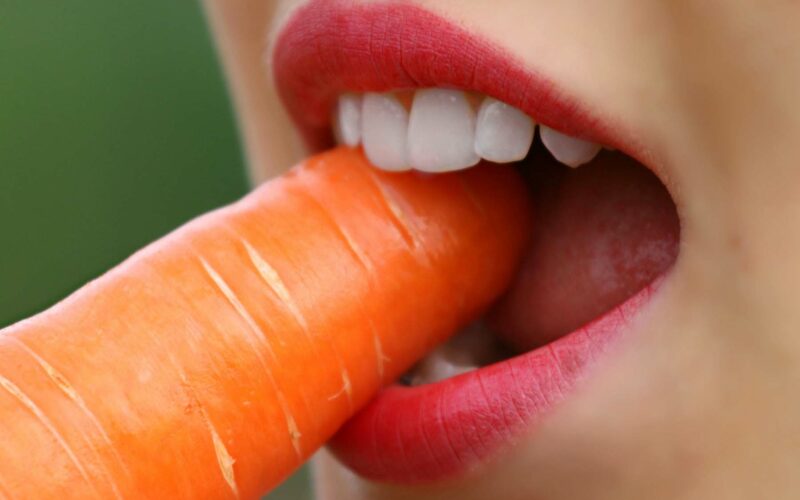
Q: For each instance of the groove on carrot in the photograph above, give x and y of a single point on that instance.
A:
(237, 305)
(223, 457)
(360, 256)
(67, 388)
(291, 424)
(379, 354)
(398, 217)
(48, 424)
(276, 284)
(274, 281)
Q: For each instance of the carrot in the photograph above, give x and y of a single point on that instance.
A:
(212, 363)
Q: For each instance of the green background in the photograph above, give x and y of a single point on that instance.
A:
(114, 129)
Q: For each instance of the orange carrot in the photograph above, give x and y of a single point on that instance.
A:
(212, 363)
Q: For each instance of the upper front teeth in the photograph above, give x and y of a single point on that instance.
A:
(385, 132)
(442, 131)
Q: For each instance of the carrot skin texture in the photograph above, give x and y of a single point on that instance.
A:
(212, 363)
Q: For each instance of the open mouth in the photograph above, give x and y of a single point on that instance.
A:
(417, 92)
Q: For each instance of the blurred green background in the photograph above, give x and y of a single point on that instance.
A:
(114, 129)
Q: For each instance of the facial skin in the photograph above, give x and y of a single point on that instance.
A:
(703, 401)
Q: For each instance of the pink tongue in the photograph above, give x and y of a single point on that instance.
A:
(603, 232)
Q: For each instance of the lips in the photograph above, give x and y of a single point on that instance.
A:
(331, 47)
(436, 431)
(611, 221)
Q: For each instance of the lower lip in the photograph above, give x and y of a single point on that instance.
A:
(432, 432)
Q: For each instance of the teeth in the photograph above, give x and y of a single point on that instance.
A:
(441, 131)
(474, 347)
(384, 133)
(504, 133)
(435, 368)
(568, 150)
(347, 125)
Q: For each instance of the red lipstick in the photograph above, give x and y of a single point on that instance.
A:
(330, 47)
(435, 431)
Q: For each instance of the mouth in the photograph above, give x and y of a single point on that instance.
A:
(417, 92)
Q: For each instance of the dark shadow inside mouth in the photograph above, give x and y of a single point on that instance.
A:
(602, 232)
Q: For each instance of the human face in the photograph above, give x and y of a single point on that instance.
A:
(698, 398)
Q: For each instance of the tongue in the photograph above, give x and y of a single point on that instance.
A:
(603, 232)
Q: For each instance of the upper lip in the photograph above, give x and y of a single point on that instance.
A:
(330, 47)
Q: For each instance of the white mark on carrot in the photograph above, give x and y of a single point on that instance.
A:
(361, 256)
(365, 263)
(235, 302)
(381, 357)
(73, 395)
(224, 458)
(46, 423)
(291, 424)
(276, 284)
(273, 279)
(346, 388)
(294, 431)
(344, 235)
(398, 217)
